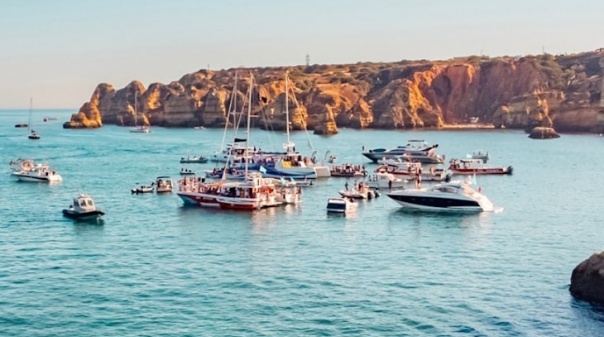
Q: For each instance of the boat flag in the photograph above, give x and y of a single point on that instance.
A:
(262, 170)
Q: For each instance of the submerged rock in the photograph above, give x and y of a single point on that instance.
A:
(541, 132)
(587, 280)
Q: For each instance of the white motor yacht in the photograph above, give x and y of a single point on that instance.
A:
(37, 173)
(456, 196)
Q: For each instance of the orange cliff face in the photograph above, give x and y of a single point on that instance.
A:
(521, 92)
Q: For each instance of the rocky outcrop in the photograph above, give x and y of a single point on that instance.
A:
(89, 115)
(587, 279)
(563, 92)
(541, 132)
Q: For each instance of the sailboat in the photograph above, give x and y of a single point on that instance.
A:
(251, 194)
(237, 151)
(32, 134)
(138, 128)
(293, 164)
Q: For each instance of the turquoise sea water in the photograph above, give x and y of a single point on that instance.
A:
(156, 268)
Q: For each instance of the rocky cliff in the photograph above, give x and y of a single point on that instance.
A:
(563, 92)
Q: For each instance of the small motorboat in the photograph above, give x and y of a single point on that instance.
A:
(340, 205)
(360, 191)
(348, 171)
(186, 172)
(332, 159)
(163, 184)
(193, 160)
(455, 196)
(21, 125)
(410, 170)
(83, 208)
(33, 135)
(476, 166)
(294, 182)
(142, 189)
(47, 119)
(479, 154)
(386, 181)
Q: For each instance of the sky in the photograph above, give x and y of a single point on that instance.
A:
(57, 51)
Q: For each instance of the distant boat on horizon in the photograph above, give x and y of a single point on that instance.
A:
(32, 134)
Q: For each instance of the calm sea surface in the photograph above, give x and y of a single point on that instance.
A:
(156, 268)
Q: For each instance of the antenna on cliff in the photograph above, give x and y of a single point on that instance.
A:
(307, 60)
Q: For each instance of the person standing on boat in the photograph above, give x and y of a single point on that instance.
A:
(418, 181)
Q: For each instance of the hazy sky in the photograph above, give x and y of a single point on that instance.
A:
(57, 51)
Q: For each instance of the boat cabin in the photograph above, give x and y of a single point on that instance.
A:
(468, 163)
(83, 203)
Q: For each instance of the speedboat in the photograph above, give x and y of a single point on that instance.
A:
(340, 205)
(82, 208)
(193, 160)
(163, 184)
(457, 196)
(409, 170)
(141, 129)
(348, 171)
(479, 154)
(186, 172)
(412, 145)
(33, 135)
(386, 181)
(476, 166)
(360, 191)
(36, 173)
(142, 189)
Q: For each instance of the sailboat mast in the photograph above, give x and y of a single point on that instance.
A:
(135, 109)
(232, 108)
(249, 119)
(31, 104)
(287, 108)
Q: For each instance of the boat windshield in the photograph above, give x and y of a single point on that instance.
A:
(446, 189)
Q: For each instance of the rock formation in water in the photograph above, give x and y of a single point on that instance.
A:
(561, 92)
(542, 132)
(587, 279)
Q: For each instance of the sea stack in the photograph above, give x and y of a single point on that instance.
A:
(541, 132)
(587, 280)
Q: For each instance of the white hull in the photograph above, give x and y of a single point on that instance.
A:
(37, 178)
(448, 197)
(439, 209)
